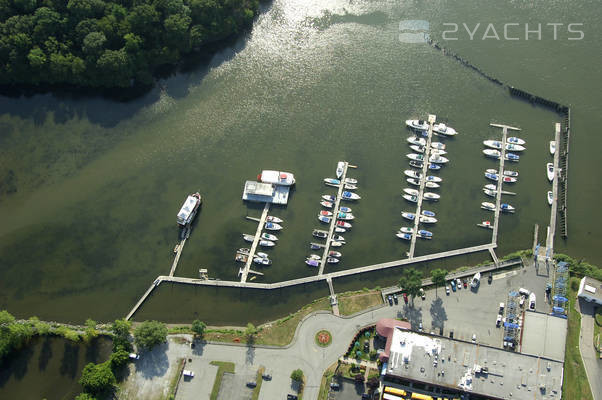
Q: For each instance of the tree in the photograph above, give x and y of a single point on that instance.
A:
(90, 332)
(149, 334)
(121, 334)
(198, 327)
(438, 276)
(297, 375)
(94, 43)
(97, 378)
(411, 282)
(251, 330)
(85, 396)
(119, 357)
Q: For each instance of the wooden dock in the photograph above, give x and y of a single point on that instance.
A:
(142, 299)
(180, 247)
(244, 272)
(500, 181)
(554, 207)
(562, 148)
(425, 165)
(335, 211)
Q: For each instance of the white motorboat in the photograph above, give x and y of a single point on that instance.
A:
(428, 213)
(353, 181)
(490, 187)
(332, 260)
(413, 181)
(417, 141)
(324, 219)
(320, 233)
(262, 261)
(436, 151)
(343, 224)
(340, 169)
(244, 250)
(431, 196)
(505, 207)
(267, 243)
(432, 178)
(316, 246)
(515, 140)
(437, 159)
(408, 215)
(326, 204)
(486, 224)
(269, 236)
(437, 145)
(333, 253)
(443, 129)
(415, 157)
(405, 229)
(326, 213)
(329, 197)
(338, 238)
(417, 124)
(345, 216)
(412, 174)
(262, 255)
(514, 147)
(412, 192)
(189, 209)
(424, 234)
(350, 196)
(431, 185)
(550, 171)
(350, 186)
(314, 257)
(427, 220)
(277, 178)
(488, 192)
(550, 197)
(345, 209)
(511, 157)
(552, 147)
(312, 263)
(248, 238)
(417, 149)
(332, 181)
(492, 153)
(488, 206)
(404, 236)
(410, 198)
(511, 173)
(339, 229)
(272, 226)
(271, 218)
(494, 144)
(334, 243)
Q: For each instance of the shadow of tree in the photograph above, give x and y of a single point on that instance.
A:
(250, 355)
(45, 354)
(154, 362)
(413, 315)
(70, 360)
(438, 314)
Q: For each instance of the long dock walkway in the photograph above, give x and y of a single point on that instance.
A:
(425, 165)
(244, 273)
(500, 181)
(144, 297)
(172, 271)
(333, 222)
(554, 208)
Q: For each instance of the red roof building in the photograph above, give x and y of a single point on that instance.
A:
(385, 328)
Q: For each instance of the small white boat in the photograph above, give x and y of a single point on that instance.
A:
(340, 169)
(425, 219)
(350, 196)
(332, 260)
(405, 229)
(324, 219)
(267, 243)
(343, 224)
(277, 178)
(350, 186)
(437, 159)
(514, 147)
(268, 236)
(408, 215)
(333, 253)
(490, 187)
(320, 233)
(326, 204)
(488, 206)
(424, 234)
(488, 192)
(329, 197)
(410, 198)
(334, 243)
(244, 250)
(432, 185)
(417, 141)
(436, 151)
(316, 246)
(353, 181)
(314, 257)
(417, 149)
(431, 178)
(345, 209)
(262, 255)
(511, 173)
(492, 153)
(413, 181)
(339, 229)
(552, 147)
(415, 157)
(550, 171)
(494, 144)
(404, 236)
(413, 192)
(338, 238)
(248, 238)
(276, 220)
(550, 197)
(505, 207)
(427, 213)
(486, 224)
(515, 140)
(312, 263)
(326, 213)
(412, 174)
(345, 216)
(437, 146)
(272, 226)
(332, 181)
(417, 124)
(512, 157)
(431, 196)
(443, 129)
(262, 261)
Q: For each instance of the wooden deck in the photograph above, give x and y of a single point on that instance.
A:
(244, 272)
(427, 154)
(554, 207)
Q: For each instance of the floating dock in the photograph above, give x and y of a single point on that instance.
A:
(265, 193)
(244, 271)
(554, 208)
(333, 223)
(427, 153)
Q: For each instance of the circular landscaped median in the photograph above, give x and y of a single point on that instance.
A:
(323, 338)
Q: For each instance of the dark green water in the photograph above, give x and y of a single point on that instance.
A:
(49, 368)
(99, 182)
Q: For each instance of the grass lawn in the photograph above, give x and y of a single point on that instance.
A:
(223, 367)
(259, 381)
(575, 384)
(597, 328)
(277, 333)
(352, 302)
(325, 383)
(176, 378)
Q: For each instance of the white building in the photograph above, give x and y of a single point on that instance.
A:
(590, 290)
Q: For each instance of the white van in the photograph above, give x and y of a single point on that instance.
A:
(524, 292)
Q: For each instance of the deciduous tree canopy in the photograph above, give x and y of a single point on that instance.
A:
(108, 43)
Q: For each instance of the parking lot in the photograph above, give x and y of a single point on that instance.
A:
(473, 312)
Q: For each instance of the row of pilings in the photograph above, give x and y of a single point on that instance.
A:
(563, 110)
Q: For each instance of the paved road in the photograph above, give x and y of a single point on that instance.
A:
(593, 366)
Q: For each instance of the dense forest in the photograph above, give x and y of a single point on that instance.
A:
(117, 43)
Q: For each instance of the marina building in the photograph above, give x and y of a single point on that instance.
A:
(590, 290)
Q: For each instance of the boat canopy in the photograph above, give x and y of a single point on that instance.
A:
(187, 211)
(277, 177)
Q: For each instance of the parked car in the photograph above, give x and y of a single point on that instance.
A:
(465, 283)
(474, 338)
(405, 297)
(498, 321)
(522, 301)
(334, 386)
(447, 290)
(451, 334)
(390, 298)
(532, 301)
(291, 397)
(188, 373)
(266, 376)
(422, 294)
(459, 283)
(453, 285)
(490, 278)
(134, 356)
(395, 298)
(420, 327)
(366, 346)
(251, 384)
(501, 310)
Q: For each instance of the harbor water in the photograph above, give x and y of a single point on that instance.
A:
(90, 187)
